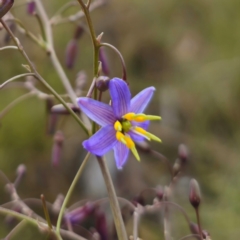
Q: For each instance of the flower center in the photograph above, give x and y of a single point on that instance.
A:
(124, 125)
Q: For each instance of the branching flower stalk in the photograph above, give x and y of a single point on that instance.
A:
(41, 79)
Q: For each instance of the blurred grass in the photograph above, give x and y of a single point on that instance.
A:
(189, 50)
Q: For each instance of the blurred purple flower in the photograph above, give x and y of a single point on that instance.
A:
(122, 123)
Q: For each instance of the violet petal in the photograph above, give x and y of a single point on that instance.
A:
(99, 112)
(121, 154)
(102, 141)
(120, 96)
(141, 100)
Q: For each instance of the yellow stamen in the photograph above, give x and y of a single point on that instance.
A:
(120, 137)
(140, 117)
(129, 116)
(146, 134)
(118, 126)
(131, 145)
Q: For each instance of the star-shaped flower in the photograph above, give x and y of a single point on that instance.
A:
(122, 122)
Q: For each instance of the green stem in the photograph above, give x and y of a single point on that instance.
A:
(8, 47)
(69, 193)
(199, 224)
(117, 216)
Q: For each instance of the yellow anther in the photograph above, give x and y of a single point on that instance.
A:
(131, 145)
(120, 137)
(118, 126)
(140, 117)
(129, 116)
(146, 134)
(140, 130)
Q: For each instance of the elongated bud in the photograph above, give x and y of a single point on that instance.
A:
(79, 214)
(101, 225)
(176, 167)
(194, 194)
(159, 192)
(78, 32)
(80, 82)
(5, 6)
(195, 230)
(102, 83)
(57, 148)
(21, 171)
(104, 61)
(31, 7)
(183, 153)
(71, 53)
(60, 109)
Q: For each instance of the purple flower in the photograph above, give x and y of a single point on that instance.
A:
(122, 123)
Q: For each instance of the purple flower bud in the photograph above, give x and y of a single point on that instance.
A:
(80, 82)
(195, 230)
(31, 7)
(5, 6)
(101, 225)
(104, 61)
(57, 148)
(102, 83)
(183, 153)
(21, 170)
(194, 194)
(138, 200)
(79, 214)
(71, 53)
(159, 192)
(78, 32)
(60, 109)
(176, 167)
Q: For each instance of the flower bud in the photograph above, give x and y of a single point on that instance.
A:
(57, 148)
(79, 214)
(31, 7)
(159, 192)
(71, 53)
(60, 109)
(176, 167)
(104, 61)
(101, 225)
(183, 153)
(102, 83)
(78, 32)
(194, 194)
(80, 82)
(5, 6)
(21, 170)
(195, 230)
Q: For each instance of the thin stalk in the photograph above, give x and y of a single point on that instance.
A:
(41, 79)
(15, 78)
(117, 216)
(69, 193)
(46, 213)
(124, 74)
(135, 224)
(8, 47)
(52, 54)
(199, 224)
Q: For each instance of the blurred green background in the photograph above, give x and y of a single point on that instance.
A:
(189, 50)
